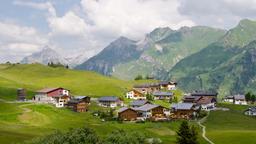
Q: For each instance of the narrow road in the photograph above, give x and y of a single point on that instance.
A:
(203, 129)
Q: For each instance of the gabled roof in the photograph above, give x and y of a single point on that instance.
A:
(124, 109)
(167, 82)
(239, 97)
(47, 90)
(182, 106)
(252, 109)
(146, 107)
(148, 85)
(138, 102)
(206, 100)
(203, 93)
(80, 97)
(109, 98)
(229, 97)
(191, 98)
(162, 93)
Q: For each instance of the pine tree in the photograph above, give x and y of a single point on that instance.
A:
(248, 96)
(253, 98)
(187, 134)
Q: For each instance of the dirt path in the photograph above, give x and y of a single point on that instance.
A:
(204, 129)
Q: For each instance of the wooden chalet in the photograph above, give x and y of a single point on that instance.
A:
(135, 94)
(21, 94)
(110, 101)
(183, 111)
(167, 85)
(139, 103)
(147, 88)
(127, 114)
(204, 94)
(162, 95)
(152, 112)
(79, 103)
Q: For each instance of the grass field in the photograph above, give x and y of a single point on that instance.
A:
(35, 76)
(24, 121)
(19, 122)
(231, 127)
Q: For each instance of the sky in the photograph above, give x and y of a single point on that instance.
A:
(74, 27)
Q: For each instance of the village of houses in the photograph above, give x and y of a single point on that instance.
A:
(140, 108)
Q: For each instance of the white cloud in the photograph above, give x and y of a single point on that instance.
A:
(41, 6)
(69, 24)
(18, 41)
(132, 18)
(218, 13)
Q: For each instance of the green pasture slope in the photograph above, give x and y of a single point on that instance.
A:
(20, 122)
(231, 127)
(24, 121)
(36, 76)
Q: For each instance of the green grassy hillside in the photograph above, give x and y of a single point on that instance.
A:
(225, 66)
(36, 76)
(20, 122)
(231, 127)
(163, 54)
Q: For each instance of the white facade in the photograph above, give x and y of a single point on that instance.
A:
(240, 102)
(229, 100)
(208, 107)
(110, 104)
(171, 87)
(44, 98)
(65, 92)
(131, 95)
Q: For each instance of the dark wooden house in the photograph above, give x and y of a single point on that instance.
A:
(127, 114)
(183, 111)
(21, 94)
(79, 104)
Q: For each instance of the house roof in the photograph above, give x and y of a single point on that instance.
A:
(80, 97)
(109, 98)
(166, 82)
(137, 90)
(146, 107)
(206, 100)
(182, 106)
(191, 98)
(252, 109)
(229, 97)
(138, 102)
(239, 97)
(162, 93)
(47, 90)
(203, 93)
(124, 109)
(146, 85)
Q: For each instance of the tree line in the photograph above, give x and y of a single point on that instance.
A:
(186, 134)
(250, 97)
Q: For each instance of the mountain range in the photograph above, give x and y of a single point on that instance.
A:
(48, 55)
(198, 58)
(228, 65)
(154, 55)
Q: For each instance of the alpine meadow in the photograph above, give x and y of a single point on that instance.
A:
(127, 72)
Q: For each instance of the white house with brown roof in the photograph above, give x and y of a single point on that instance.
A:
(136, 94)
(57, 96)
(240, 100)
(110, 101)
